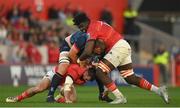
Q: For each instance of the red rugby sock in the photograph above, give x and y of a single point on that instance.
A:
(23, 96)
(145, 84)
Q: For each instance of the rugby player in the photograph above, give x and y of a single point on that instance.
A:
(74, 75)
(117, 55)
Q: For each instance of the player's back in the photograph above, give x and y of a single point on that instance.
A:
(101, 30)
(76, 72)
(79, 39)
(77, 35)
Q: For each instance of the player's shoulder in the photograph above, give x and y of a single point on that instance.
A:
(79, 34)
(94, 23)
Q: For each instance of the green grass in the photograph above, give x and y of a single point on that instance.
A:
(87, 96)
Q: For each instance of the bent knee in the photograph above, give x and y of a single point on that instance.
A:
(127, 73)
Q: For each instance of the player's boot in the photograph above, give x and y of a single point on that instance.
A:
(120, 100)
(50, 99)
(61, 100)
(57, 97)
(164, 94)
(11, 99)
(104, 97)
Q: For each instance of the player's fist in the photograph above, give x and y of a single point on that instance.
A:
(83, 63)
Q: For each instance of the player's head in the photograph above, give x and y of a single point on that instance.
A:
(89, 75)
(82, 21)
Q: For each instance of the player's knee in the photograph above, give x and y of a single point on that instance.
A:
(105, 66)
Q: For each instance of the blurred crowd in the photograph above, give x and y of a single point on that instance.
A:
(25, 39)
(24, 35)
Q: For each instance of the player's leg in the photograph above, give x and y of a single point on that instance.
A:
(113, 59)
(103, 94)
(55, 81)
(144, 84)
(42, 86)
(105, 67)
(126, 70)
(62, 67)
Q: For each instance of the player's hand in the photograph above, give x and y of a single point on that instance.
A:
(67, 95)
(68, 101)
(95, 64)
(84, 63)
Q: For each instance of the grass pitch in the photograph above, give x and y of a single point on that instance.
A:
(88, 97)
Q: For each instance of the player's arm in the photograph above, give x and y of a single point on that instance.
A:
(67, 89)
(88, 50)
(73, 53)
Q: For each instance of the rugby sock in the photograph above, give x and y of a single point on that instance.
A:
(23, 96)
(54, 84)
(155, 89)
(112, 87)
(145, 84)
(148, 86)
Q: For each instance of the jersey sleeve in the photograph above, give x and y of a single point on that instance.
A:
(93, 30)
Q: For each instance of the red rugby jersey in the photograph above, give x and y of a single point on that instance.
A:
(101, 30)
(76, 73)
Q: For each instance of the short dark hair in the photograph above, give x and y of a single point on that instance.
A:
(79, 18)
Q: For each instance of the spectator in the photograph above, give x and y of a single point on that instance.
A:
(3, 33)
(130, 16)
(53, 52)
(1, 59)
(33, 55)
(14, 14)
(62, 16)
(19, 55)
(53, 13)
(106, 16)
(130, 28)
(33, 22)
(26, 13)
(21, 25)
(161, 58)
(69, 19)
